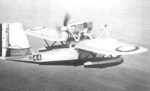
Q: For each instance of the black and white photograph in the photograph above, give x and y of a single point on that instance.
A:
(74, 45)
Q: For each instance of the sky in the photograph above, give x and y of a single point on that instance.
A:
(122, 16)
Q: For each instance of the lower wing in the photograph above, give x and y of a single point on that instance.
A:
(109, 47)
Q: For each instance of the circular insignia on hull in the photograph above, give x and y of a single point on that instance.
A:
(127, 48)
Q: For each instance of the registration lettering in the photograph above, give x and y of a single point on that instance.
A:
(36, 57)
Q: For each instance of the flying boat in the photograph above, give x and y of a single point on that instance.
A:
(77, 46)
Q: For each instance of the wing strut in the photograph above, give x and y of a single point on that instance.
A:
(46, 42)
(53, 46)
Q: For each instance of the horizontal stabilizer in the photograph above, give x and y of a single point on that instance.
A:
(13, 47)
(109, 47)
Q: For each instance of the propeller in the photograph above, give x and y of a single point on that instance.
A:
(58, 27)
(66, 19)
(65, 23)
(62, 30)
(90, 26)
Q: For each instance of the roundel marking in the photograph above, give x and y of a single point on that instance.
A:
(126, 48)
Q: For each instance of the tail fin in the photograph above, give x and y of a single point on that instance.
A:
(4, 39)
(1, 40)
(13, 39)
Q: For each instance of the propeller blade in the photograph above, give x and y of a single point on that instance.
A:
(58, 27)
(66, 19)
(90, 26)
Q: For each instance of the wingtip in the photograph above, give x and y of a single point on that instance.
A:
(144, 49)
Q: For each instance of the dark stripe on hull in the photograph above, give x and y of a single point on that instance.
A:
(0, 39)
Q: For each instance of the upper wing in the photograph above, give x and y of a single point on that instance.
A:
(109, 46)
(47, 33)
